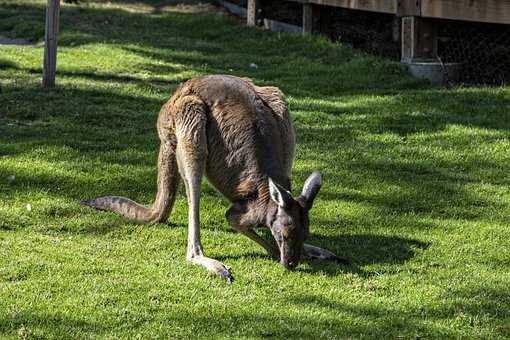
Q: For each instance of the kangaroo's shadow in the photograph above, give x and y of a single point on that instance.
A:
(359, 249)
(362, 250)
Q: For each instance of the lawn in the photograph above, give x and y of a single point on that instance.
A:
(416, 187)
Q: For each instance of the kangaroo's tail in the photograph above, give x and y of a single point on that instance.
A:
(168, 179)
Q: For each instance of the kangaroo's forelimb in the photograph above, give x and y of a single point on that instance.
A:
(316, 253)
(243, 223)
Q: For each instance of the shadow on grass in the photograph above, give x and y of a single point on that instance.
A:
(27, 325)
(417, 188)
(261, 325)
(360, 250)
(109, 77)
(373, 321)
(416, 322)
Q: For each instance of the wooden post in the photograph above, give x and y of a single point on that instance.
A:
(419, 39)
(396, 27)
(325, 21)
(50, 45)
(418, 34)
(253, 11)
(307, 18)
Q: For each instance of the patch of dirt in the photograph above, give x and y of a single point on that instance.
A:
(186, 8)
(166, 6)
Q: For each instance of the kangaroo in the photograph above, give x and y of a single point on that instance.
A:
(240, 136)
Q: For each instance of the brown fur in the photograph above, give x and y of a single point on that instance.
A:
(239, 135)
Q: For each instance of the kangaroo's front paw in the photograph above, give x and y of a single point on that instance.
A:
(313, 252)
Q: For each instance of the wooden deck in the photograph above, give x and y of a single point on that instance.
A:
(418, 32)
(492, 11)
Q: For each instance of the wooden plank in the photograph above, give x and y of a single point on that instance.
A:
(495, 11)
(50, 45)
(383, 6)
(407, 8)
(307, 19)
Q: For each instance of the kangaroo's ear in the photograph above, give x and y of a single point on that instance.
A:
(311, 188)
(279, 195)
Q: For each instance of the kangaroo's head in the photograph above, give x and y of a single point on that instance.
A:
(289, 221)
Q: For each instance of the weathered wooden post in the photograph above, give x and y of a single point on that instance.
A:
(419, 45)
(253, 13)
(50, 43)
(418, 34)
(307, 18)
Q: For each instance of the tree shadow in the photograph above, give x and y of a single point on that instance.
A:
(389, 175)
(262, 325)
(27, 323)
(374, 320)
(107, 77)
(416, 188)
(393, 320)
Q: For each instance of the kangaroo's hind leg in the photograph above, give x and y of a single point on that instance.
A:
(190, 124)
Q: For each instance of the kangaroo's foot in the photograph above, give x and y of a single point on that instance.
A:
(213, 266)
(313, 252)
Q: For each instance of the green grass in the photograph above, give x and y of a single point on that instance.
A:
(416, 188)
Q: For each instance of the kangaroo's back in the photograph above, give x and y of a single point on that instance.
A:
(249, 134)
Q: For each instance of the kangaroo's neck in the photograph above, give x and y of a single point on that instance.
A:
(261, 208)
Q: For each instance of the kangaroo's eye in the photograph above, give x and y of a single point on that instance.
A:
(287, 222)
